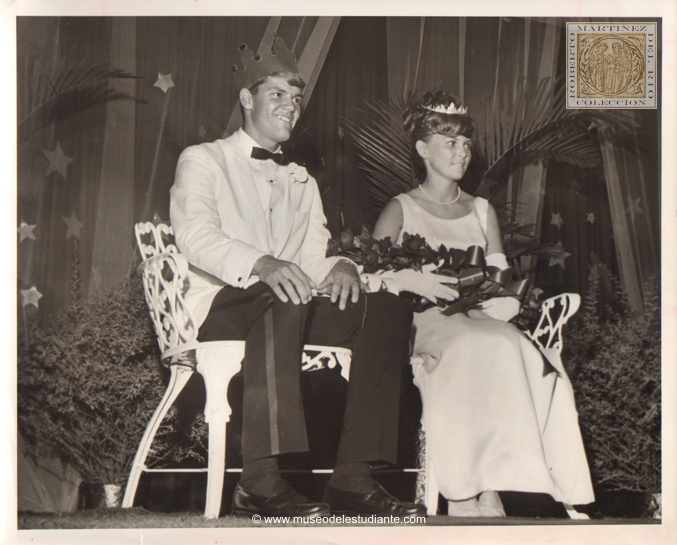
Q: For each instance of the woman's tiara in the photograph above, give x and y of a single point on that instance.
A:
(451, 109)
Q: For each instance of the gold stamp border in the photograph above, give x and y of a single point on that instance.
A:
(617, 71)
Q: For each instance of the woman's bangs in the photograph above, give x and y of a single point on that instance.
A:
(452, 125)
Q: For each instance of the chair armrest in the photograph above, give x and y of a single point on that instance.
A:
(555, 312)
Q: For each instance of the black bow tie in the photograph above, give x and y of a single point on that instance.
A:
(263, 154)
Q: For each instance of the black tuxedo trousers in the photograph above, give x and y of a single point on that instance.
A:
(377, 329)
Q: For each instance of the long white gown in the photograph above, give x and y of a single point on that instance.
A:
(496, 416)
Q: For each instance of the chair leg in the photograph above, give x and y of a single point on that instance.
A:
(573, 514)
(217, 366)
(177, 380)
(432, 490)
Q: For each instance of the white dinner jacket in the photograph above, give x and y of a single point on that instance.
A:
(220, 226)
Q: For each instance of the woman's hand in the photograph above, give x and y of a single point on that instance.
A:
(429, 285)
(501, 308)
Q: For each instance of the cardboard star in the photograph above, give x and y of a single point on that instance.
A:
(575, 187)
(633, 208)
(591, 217)
(202, 131)
(556, 220)
(164, 82)
(25, 231)
(57, 161)
(560, 257)
(74, 226)
(30, 297)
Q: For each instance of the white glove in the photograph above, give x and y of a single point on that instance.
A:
(371, 282)
(429, 285)
(501, 308)
(497, 260)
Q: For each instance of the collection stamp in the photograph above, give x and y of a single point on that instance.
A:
(611, 65)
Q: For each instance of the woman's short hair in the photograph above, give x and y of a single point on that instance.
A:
(291, 77)
(421, 121)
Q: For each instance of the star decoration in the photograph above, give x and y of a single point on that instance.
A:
(57, 161)
(202, 131)
(25, 231)
(591, 217)
(575, 187)
(556, 220)
(341, 133)
(561, 256)
(164, 82)
(633, 208)
(30, 297)
(74, 226)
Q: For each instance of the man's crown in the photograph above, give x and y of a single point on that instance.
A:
(275, 57)
(451, 109)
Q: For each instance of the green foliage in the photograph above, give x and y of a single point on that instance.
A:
(76, 283)
(87, 387)
(615, 368)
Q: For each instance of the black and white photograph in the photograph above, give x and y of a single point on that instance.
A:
(323, 274)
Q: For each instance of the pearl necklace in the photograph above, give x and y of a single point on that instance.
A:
(442, 202)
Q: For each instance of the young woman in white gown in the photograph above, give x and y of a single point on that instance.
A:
(493, 420)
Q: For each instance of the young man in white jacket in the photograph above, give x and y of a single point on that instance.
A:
(251, 224)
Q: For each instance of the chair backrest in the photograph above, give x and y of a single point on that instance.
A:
(164, 272)
(555, 312)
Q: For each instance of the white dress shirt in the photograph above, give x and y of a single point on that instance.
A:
(227, 214)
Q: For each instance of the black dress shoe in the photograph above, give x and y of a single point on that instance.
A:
(285, 504)
(376, 502)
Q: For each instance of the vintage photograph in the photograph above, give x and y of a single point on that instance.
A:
(302, 272)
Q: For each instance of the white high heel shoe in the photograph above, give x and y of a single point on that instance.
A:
(490, 504)
(463, 508)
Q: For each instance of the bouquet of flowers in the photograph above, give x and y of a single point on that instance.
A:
(475, 281)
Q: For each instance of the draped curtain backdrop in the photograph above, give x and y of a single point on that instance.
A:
(84, 179)
(608, 215)
(98, 166)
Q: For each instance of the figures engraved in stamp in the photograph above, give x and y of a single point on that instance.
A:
(611, 65)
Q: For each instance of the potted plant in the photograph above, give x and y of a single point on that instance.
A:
(614, 361)
(88, 383)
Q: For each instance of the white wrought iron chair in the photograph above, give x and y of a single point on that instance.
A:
(547, 335)
(164, 272)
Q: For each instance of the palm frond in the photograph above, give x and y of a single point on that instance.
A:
(518, 124)
(48, 97)
(383, 147)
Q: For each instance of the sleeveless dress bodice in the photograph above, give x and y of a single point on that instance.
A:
(455, 233)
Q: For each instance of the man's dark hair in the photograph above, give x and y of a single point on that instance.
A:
(292, 78)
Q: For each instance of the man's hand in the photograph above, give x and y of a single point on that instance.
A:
(286, 279)
(341, 282)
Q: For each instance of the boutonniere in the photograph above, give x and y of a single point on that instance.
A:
(297, 173)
